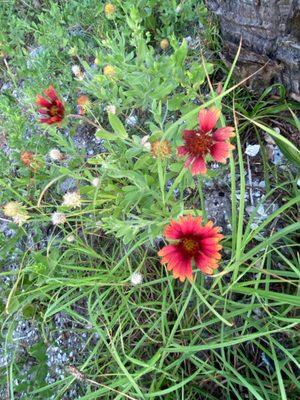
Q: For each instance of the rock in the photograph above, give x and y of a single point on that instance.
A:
(270, 30)
(252, 150)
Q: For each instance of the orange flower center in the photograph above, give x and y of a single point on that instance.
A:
(199, 144)
(190, 246)
(53, 111)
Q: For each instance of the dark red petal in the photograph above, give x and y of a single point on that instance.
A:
(43, 111)
(45, 121)
(51, 93)
(182, 151)
(187, 134)
(43, 102)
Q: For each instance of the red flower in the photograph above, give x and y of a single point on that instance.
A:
(204, 141)
(191, 241)
(52, 109)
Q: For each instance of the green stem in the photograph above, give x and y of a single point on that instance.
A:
(202, 201)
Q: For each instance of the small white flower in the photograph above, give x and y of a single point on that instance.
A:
(298, 182)
(136, 278)
(58, 218)
(96, 182)
(178, 9)
(145, 143)
(252, 150)
(111, 109)
(56, 155)
(70, 238)
(21, 218)
(76, 70)
(131, 121)
(72, 199)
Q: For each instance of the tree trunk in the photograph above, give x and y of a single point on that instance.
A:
(270, 30)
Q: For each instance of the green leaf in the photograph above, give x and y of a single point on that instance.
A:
(181, 53)
(288, 148)
(117, 126)
(102, 134)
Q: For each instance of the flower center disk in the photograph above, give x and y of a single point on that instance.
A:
(190, 246)
(199, 144)
(53, 111)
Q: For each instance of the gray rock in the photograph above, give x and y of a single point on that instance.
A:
(270, 30)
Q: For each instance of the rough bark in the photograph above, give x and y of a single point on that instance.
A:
(270, 30)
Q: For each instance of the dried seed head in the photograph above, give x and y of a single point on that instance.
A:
(27, 158)
(12, 208)
(16, 211)
(83, 103)
(164, 44)
(161, 149)
(76, 373)
(56, 155)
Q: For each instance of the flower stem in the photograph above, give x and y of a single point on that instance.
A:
(87, 120)
(202, 202)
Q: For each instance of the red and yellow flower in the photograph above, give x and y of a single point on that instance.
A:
(191, 242)
(52, 108)
(204, 141)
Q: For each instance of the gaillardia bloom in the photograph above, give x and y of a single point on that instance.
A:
(191, 242)
(206, 140)
(52, 110)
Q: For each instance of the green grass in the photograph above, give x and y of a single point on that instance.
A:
(229, 336)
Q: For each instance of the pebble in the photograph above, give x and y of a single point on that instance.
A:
(252, 150)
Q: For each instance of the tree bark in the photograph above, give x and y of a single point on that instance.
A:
(270, 30)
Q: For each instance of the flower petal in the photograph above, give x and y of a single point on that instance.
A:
(208, 119)
(182, 151)
(51, 93)
(167, 250)
(42, 102)
(222, 134)
(173, 231)
(187, 134)
(220, 151)
(205, 264)
(189, 161)
(198, 166)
